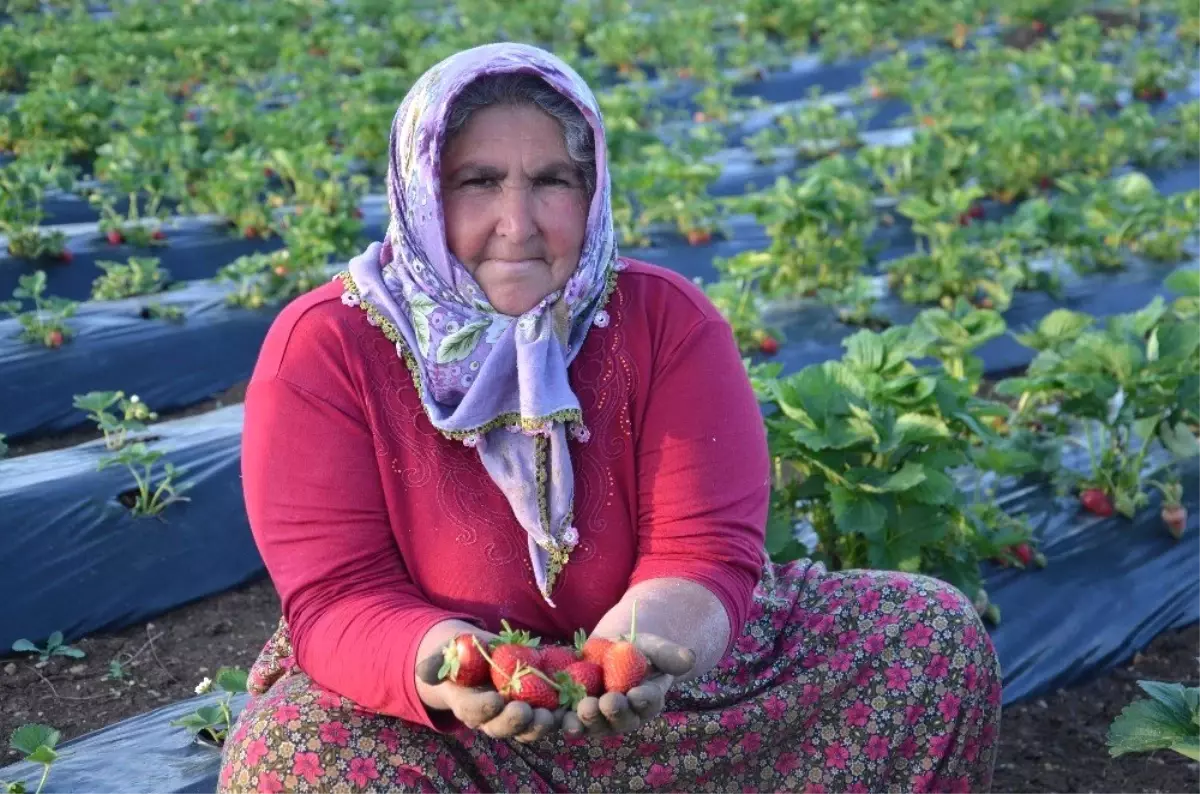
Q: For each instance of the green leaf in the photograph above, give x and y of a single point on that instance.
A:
(1160, 723)
(916, 428)
(461, 343)
(909, 476)
(74, 653)
(212, 715)
(25, 646)
(936, 489)
(1178, 439)
(865, 351)
(1185, 281)
(779, 533)
(192, 722)
(42, 755)
(28, 738)
(231, 679)
(55, 639)
(857, 513)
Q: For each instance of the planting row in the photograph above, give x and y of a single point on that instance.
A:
(54, 349)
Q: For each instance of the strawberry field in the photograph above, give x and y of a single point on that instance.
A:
(957, 242)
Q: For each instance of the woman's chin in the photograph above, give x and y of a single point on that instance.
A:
(516, 299)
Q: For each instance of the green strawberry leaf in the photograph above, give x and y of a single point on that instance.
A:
(28, 738)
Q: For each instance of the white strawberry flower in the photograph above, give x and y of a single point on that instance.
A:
(204, 686)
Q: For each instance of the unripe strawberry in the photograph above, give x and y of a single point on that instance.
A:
(1175, 517)
(114, 237)
(53, 339)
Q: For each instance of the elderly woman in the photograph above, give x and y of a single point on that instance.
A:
(494, 416)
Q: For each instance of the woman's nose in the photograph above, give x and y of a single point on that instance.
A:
(516, 221)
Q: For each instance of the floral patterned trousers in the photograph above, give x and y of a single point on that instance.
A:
(850, 681)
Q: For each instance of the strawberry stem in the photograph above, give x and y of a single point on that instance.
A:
(633, 622)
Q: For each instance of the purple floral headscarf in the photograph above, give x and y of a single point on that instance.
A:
(497, 383)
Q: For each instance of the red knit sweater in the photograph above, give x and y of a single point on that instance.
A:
(374, 527)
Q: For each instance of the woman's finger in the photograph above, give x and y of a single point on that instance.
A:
(427, 669)
(513, 720)
(542, 725)
(474, 707)
(647, 698)
(571, 726)
(670, 658)
(621, 717)
(590, 716)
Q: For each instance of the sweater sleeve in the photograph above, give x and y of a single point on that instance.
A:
(317, 510)
(703, 472)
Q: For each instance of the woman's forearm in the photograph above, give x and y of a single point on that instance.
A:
(678, 610)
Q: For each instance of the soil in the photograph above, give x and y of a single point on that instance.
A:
(45, 443)
(1053, 743)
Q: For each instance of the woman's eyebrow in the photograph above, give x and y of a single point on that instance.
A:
(479, 171)
(559, 168)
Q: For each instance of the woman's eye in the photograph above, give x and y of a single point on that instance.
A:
(552, 181)
(480, 181)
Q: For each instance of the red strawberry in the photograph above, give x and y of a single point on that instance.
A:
(964, 219)
(557, 657)
(357, 213)
(1096, 501)
(250, 233)
(769, 345)
(1175, 517)
(66, 255)
(510, 650)
(115, 237)
(1038, 26)
(53, 338)
(268, 173)
(158, 234)
(1023, 553)
(624, 665)
(589, 675)
(1045, 183)
(699, 236)
(976, 211)
(530, 686)
(463, 661)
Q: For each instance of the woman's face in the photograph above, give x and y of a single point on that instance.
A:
(516, 207)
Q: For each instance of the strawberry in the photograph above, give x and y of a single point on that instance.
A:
(53, 338)
(510, 650)
(1045, 183)
(1023, 553)
(976, 211)
(1096, 501)
(531, 686)
(357, 214)
(624, 665)
(250, 233)
(588, 675)
(699, 236)
(769, 345)
(281, 270)
(592, 649)
(66, 255)
(115, 237)
(1038, 26)
(877, 92)
(557, 657)
(1175, 517)
(463, 663)
(158, 234)
(964, 219)
(268, 172)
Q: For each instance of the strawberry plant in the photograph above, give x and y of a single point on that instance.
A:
(146, 499)
(3, 446)
(214, 722)
(23, 186)
(138, 276)
(1126, 386)
(117, 427)
(54, 647)
(819, 230)
(36, 743)
(950, 336)
(46, 322)
(817, 128)
(742, 306)
(863, 451)
(132, 166)
(671, 186)
(1168, 720)
(855, 302)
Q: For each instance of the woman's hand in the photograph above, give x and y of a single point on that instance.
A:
(485, 710)
(614, 713)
